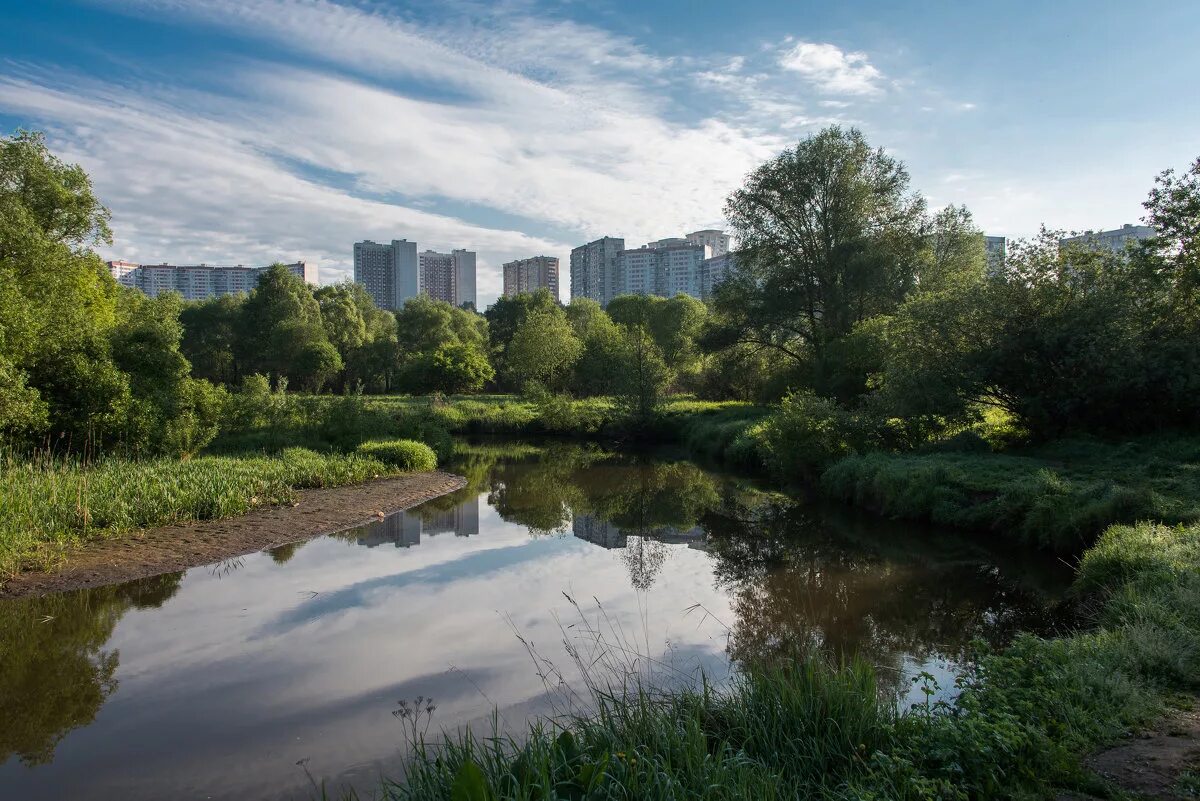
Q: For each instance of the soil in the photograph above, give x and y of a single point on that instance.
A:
(200, 542)
(1150, 764)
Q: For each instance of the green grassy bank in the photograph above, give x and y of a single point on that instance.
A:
(49, 504)
(1058, 496)
(1018, 728)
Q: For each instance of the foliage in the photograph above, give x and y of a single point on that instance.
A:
(504, 317)
(543, 349)
(402, 454)
(444, 348)
(829, 236)
(82, 362)
(643, 376)
(282, 333)
(1058, 496)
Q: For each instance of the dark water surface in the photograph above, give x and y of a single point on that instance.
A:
(263, 676)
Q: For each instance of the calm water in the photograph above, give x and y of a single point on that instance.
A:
(256, 677)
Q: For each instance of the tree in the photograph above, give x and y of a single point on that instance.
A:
(444, 348)
(503, 318)
(643, 376)
(829, 236)
(603, 347)
(543, 349)
(210, 338)
(282, 333)
(81, 360)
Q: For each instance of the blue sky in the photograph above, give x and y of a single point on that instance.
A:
(246, 131)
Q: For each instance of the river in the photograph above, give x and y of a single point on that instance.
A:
(270, 675)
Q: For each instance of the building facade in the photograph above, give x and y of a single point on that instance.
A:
(718, 242)
(1115, 240)
(389, 272)
(198, 281)
(665, 268)
(448, 276)
(712, 272)
(595, 270)
(996, 250)
(529, 275)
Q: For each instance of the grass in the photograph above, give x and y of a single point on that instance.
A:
(401, 454)
(49, 504)
(1058, 496)
(1018, 728)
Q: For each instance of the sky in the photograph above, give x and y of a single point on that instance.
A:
(253, 131)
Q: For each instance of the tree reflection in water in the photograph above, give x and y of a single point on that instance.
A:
(55, 673)
(800, 575)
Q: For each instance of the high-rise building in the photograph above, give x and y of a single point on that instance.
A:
(464, 278)
(996, 250)
(595, 270)
(390, 273)
(666, 268)
(717, 241)
(712, 272)
(527, 275)
(1115, 240)
(448, 276)
(198, 281)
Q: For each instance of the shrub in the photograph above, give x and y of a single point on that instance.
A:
(404, 454)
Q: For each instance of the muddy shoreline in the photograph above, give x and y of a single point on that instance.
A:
(200, 542)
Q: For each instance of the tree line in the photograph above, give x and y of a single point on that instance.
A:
(874, 321)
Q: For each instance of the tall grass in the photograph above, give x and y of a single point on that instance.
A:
(1059, 496)
(47, 504)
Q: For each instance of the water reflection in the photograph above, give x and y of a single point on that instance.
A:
(55, 672)
(222, 680)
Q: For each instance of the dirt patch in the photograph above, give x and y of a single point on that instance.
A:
(199, 542)
(1155, 764)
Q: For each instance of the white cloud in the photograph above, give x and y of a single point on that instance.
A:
(833, 70)
(499, 121)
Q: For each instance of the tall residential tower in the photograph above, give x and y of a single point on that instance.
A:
(390, 273)
(595, 270)
(527, 275)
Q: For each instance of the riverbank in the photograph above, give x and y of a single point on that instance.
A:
(49, 508)
(192, 543)
(1021, 726)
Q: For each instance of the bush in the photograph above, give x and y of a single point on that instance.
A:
(404, 454)
(809, 433)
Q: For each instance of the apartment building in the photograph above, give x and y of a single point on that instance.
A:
(529, 275)
(198, 281)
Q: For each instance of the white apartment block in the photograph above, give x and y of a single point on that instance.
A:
(689, 265)
(389, 272)
(528, 275)
(718, 242)
(448, 276)
(596, 270)
(199, 281)
(1115, 240)
(666, 268)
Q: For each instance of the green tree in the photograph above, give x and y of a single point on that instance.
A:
(444, 348)
(643, 376)
(169, 411)
(504, 317)
(210, 338)
(829, 236)
(543, 349)
(282, 333)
